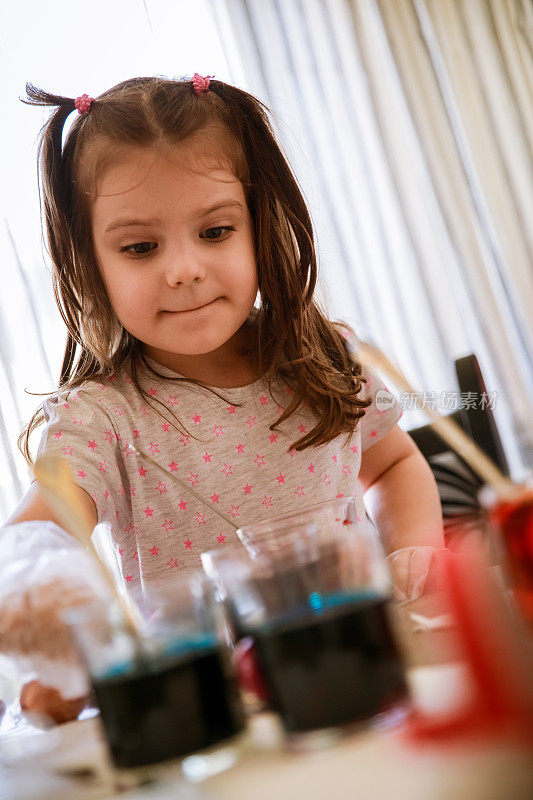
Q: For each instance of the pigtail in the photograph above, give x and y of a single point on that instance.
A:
(55, 191)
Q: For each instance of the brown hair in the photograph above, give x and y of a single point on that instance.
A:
(295, 339)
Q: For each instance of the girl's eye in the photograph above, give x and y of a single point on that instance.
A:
(217, 231)
(139, 249)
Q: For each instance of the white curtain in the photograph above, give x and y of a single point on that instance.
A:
(410, 126)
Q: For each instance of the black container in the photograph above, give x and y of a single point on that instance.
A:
(165, 711)
(333, 665)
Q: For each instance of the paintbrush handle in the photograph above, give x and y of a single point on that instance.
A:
(447, 429)
(57, 486)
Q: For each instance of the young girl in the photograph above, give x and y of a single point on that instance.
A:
(185, 271)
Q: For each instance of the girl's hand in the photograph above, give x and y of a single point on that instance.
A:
(39, 699)
(410, 567)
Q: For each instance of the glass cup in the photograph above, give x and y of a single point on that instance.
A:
(315, 601)
(170, 692)
(512, 526)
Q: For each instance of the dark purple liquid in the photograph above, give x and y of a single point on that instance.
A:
(151, 716)
(333, 667)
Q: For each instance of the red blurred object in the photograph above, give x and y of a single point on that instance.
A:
(498, 655)
(248, 670)
(513, 519)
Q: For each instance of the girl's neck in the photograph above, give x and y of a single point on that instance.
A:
(224, 368)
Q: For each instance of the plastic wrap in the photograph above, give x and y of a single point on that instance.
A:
(43, 570)
(410, 568)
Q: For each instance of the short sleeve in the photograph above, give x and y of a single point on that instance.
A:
(79, 430)
(385, 410)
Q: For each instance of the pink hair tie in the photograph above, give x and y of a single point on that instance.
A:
(201, 85)
(83, 103)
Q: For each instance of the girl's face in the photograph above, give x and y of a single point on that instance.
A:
(174, 243)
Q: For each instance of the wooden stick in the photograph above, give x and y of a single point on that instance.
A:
(183, 485)
(452, 433)
(57, 485)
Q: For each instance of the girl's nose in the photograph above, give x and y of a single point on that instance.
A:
(184, 269)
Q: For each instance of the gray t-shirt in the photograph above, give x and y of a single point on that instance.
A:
(230, 458)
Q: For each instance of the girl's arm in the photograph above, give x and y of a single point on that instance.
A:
(34, 507)
(401, 494)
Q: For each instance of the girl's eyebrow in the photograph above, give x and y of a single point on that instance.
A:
(126, 222)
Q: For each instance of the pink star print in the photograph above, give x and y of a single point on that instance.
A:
(247, 489)
(346, 470)
(302, 428)
(263, 400)
(311, 468)
(373, 433)
(280, 478)
(299, 490)
(214, 498)
(273, 438)
(188, 544)
(200, 519)
(129, 578)
(231, 409)
(82, 473)
(327, 480)
(196, 419)
(153, 392)
(194, 479)
(354, 449)
(251, 421)
(172, 466)
(234, 511)
(239, 448)
(259, 460)
(267, 501)
(182, 505)
(207, 457)
(172, 400)
(136, 434)
(221, 538)
(168, 525)
(217, 430)
(334, 459)
(109, 436)
(67, 450)
(103, 466)
(142, 472)
(154, 448)
(185, 440)
(172, 563)
(57, 434)
(165, 426)
(227, 470)
(162, 487)
(154, 551)
(149, 512)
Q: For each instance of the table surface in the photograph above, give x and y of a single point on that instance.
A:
(70, 762)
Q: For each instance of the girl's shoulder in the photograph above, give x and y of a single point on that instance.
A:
(101, 392)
